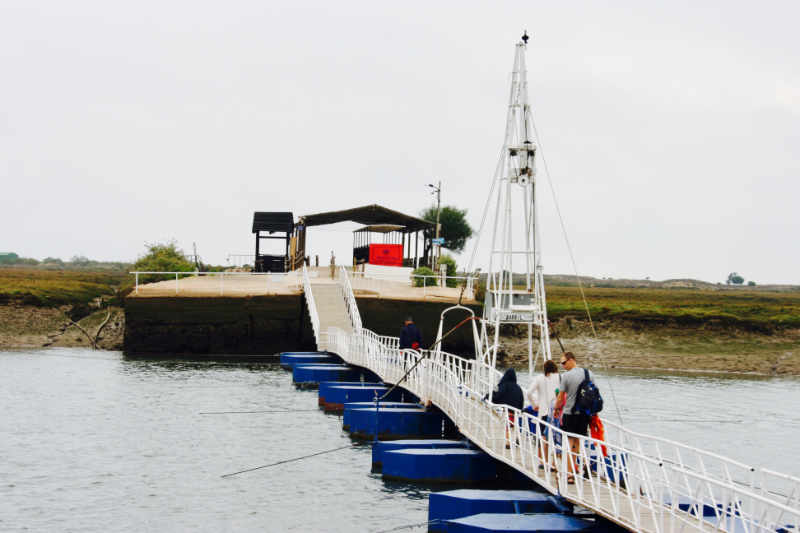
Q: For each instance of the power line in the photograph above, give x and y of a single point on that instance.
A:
(293, 459)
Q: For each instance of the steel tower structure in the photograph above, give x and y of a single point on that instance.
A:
(515, 244)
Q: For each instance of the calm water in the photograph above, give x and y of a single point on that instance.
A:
(90, 441)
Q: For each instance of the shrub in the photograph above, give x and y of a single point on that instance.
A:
(424, 282)
(8, 258)
(162, 258)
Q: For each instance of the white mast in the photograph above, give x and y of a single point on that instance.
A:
(511, 206)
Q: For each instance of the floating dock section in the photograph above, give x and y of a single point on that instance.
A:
(380, 448)
(393, 421)
(336, 396)
(439, 465)
(410, 447)
(517, 523)
(288, 360)
(309, 375)
(460, 503)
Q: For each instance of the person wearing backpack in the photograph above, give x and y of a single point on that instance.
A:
(580, 400)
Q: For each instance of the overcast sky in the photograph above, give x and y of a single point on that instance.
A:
(671, 128)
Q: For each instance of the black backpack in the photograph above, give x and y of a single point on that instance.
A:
(588, 400)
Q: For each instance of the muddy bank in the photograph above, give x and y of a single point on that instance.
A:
(618, 345)
(27, 326)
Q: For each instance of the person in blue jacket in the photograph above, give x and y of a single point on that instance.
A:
(508, 391)
(410, 336)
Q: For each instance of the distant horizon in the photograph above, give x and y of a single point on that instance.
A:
(582, 275)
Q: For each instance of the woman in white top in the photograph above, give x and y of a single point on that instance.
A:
(542, 392)
(542, 396)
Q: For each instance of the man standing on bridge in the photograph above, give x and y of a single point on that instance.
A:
(572, 422)
(410, 336)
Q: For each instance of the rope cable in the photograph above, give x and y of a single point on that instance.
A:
(563, 227)
(293, 459)
(571, 255)
(285, 411)
(424, 356)
(412, 526)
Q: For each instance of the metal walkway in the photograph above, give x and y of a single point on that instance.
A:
(641, 482)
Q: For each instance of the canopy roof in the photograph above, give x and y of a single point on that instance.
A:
(273, 221)
(380, 228)
(369, 215)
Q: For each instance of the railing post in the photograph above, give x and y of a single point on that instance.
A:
(221, 281)
(137, 282)
(176, 283)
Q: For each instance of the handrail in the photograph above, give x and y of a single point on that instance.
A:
(313, 314)
(398, 279)
(222, 274)
(349, 299)
(639, 481)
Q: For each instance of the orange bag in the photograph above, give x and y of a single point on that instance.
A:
(597, 431)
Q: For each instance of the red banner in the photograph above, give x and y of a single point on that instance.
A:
(386, 254)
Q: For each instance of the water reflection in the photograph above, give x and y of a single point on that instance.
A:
(409, 490)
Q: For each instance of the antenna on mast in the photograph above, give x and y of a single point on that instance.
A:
(525, 37)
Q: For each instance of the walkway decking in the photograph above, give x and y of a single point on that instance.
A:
(246, 284)
(642, 483)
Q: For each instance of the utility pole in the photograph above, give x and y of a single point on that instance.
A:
(196, 258)
(437, 190)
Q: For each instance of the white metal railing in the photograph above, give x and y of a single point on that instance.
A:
(642, 482)
(259, 282)
(373, 281)
(349, 299)
(313, 315)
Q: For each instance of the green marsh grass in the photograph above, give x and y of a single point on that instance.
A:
(48, 288)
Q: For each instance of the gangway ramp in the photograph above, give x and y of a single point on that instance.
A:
(331, 307)
(641, 482)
